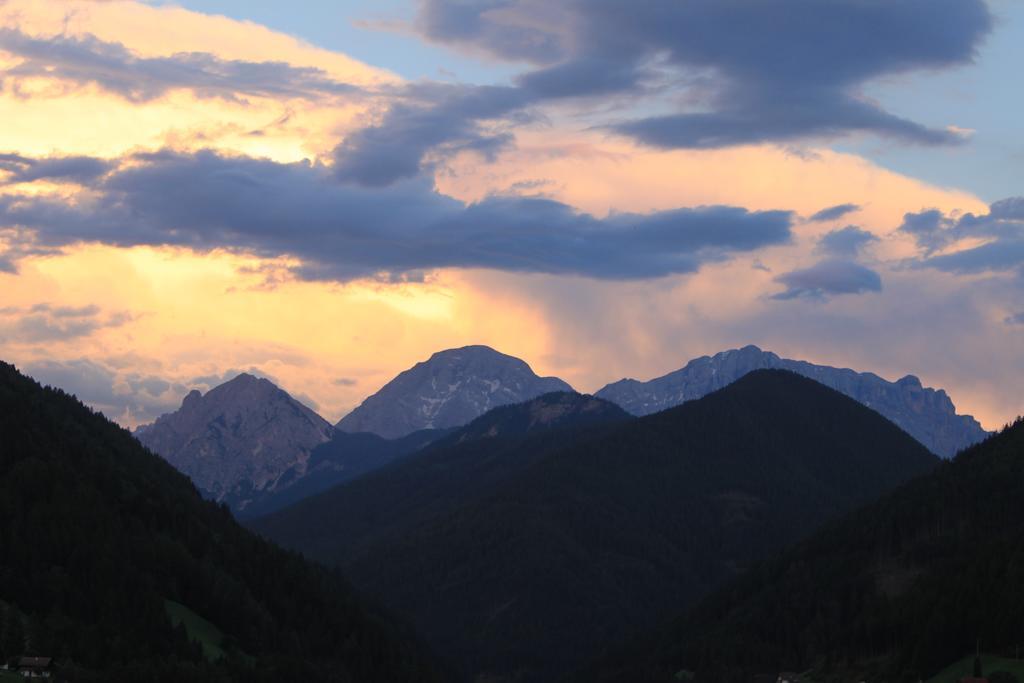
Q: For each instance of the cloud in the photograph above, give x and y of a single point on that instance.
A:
(740, 82)
(130, 397)
(1000, 255)
(42, 323)
(424, 118)
(834, 213)
(1008, 209)
(66, 311)
(339, 232)
(87, 60)
(78, 169)
(1016, 319)
(814, 115)
(751, 71)
(828, 278)
(439, 120)
(345, 382)
(1001, 232)
(496, 27)
(586, 77)
(930, 229)
(846, 242)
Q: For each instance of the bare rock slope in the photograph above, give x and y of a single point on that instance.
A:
(237, 440)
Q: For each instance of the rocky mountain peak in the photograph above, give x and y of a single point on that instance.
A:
(240, 436)
(449, 389)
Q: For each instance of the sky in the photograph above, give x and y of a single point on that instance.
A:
(325, 193)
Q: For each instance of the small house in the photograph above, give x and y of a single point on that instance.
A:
(35, 667)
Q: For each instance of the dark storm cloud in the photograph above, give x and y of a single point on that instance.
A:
(846, 242)
(772, 71)
(1002, 230)
(834, 213)
(341, 232)
(1017, 319)
(78, 169)
(828, 278)
(114, 68)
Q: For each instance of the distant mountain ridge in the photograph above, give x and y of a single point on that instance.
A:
(249, 444)
(238, 439)
(450, 389)
(926, 414)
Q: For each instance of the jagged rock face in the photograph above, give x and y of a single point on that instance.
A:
(237, 440)
(450, 389)
(926, 414)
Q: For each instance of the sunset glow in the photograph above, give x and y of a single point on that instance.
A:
(130, 309)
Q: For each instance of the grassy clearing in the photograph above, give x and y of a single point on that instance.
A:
(199, 629)
(989, 663)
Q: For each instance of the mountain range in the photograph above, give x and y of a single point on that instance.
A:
(772, 524)
(249, 444)
(546, 531)
(926, 414)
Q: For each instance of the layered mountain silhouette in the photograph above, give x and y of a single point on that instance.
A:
(449, 389)
(896, 591)
(520, 552)
(249, 444)
(237, 441)
(926, 414)
(113, 564)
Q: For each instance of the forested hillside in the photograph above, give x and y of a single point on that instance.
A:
(894, 592)
(468, 463)
(103, 543)
(521, 557)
